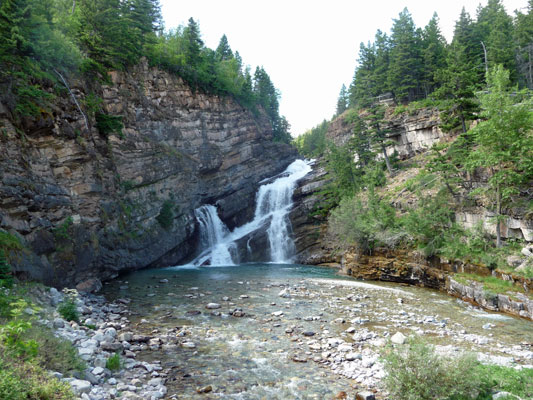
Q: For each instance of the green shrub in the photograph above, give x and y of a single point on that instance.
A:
(9, 242)
(366, 224)
(6, 278)
(113, 363)
(62, 231)
(68, 310)
(415, 371)
(108, 124)
(13, 333)
(166, 215)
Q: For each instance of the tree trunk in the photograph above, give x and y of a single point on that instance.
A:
(463, 122)
(387, 161)
(498, 219)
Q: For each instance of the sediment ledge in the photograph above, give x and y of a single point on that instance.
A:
(404, 266)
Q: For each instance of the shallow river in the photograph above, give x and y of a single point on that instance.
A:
(297, 332)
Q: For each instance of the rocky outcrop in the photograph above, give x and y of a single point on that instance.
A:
(410, 133)
(310, 228)
(511, 227)
(92, 205)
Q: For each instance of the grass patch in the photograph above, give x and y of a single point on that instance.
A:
(114, 362)
(490, 283)
(517, 382)
(27, 380)
(55, 354)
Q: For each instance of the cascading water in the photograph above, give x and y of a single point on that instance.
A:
(213, 233)
(274, 201)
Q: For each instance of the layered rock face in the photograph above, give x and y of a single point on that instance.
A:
(411, 133)
(91, 206)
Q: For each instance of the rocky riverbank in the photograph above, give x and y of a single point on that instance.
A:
(103, 333)
(254, 337)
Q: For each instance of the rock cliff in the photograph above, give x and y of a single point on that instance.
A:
(90, 205)
(410, 133)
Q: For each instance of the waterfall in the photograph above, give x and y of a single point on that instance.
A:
(274, 201)
(213, 234)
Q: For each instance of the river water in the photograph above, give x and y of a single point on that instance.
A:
(288, 331)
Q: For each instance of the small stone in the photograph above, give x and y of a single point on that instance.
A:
(298, 358)
(365, 396)
(277, 313)
(189, 345)
(193, 312)
(80, 386)
(308, 333)
(59, 323)
(92, 285)
(163, 281)
(205, 389)
(244, 296)
(353, 356)
(125, 337)
(97, 371)
(238, 313)
(212, 306)
(398, 338)
(285, 293)
(526, 252)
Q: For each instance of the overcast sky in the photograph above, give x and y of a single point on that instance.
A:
(308, 47)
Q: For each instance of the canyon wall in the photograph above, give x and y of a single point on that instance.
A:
(87, 205)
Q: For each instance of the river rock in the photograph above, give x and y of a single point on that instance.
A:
(92, 285)
(212, 306)
(205, 389)
(80, 386)
(398, 338)
(365, 396)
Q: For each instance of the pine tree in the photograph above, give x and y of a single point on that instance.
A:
(224, 50)
(193, 44)
(342, 101)
(433, 53)
(14, 29)
(405, 58)
(381, 63)
(494, 27)
(364, 84)
(523, 35)
(458, 83)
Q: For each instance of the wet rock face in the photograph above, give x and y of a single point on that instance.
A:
(91, 206)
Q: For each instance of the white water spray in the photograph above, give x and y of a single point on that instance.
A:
(274, 201)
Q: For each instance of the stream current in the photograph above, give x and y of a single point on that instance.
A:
(277, 330)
